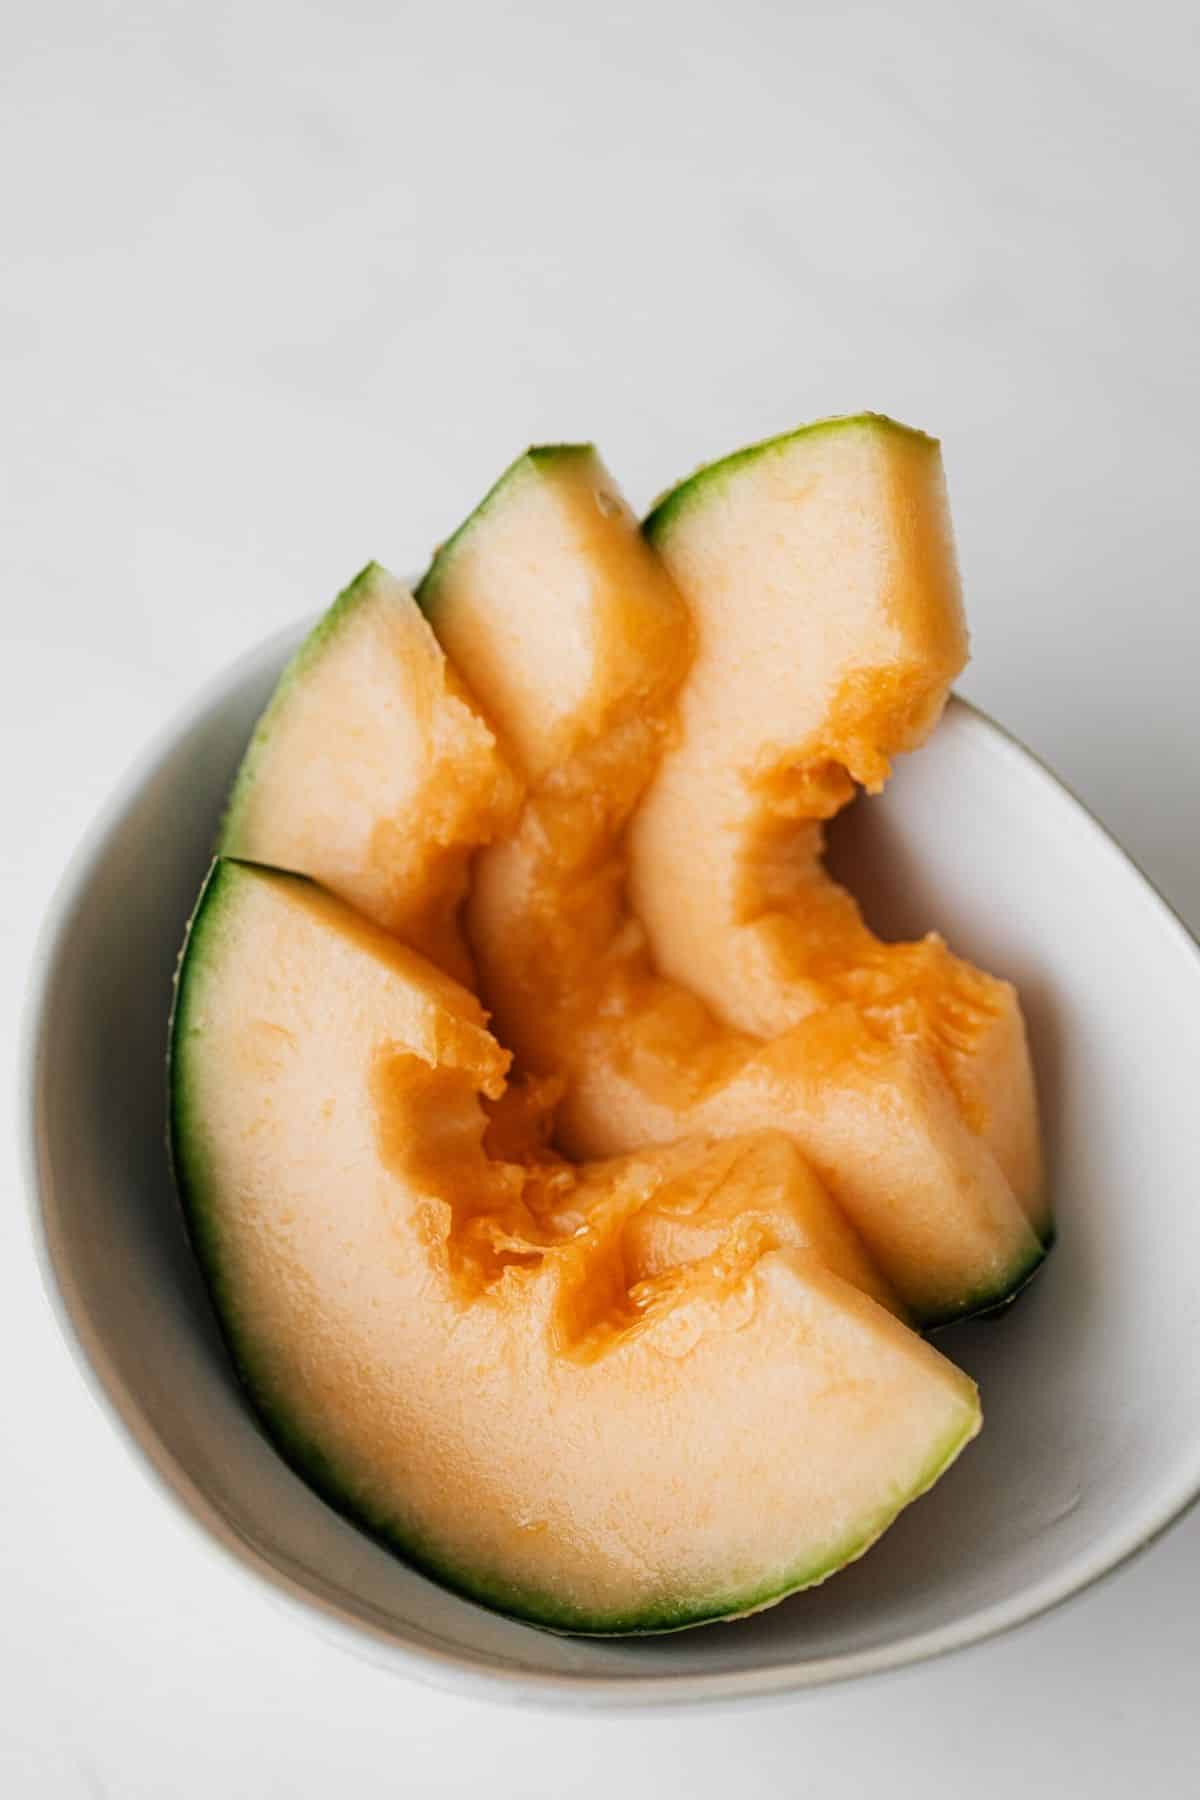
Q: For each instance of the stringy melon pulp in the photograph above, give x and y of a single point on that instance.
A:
(821, 582)
(566, 967)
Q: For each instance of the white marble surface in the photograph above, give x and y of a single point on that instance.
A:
(284, 287)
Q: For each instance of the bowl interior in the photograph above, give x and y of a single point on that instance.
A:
(1091, 1384)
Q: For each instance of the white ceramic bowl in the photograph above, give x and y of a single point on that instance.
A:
(1091, 1385)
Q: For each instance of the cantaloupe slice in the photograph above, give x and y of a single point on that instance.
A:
(564, 965)
(609, 627)
(373, 772)
(469, 1356)
(718, 1198)
(820, 572)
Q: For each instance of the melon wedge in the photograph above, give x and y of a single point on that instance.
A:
(372, 771)
(610, 627)
(820, 572)
(467, 1356)
(564, 965)
(718, 1200)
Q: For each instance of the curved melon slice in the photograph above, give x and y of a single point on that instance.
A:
(585, 634)
(456, 1358)
(820, 571)
(565, 967)
(372, 772)
(699, 1199)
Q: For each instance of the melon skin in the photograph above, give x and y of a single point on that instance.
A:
(565, 966)
(741, 1385)
(820, 570)
(697, 488)
(372, 771)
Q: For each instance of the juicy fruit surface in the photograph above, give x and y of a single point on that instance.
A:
(372, 771)
(673, 1380)
(551, 573)
(744, 1191)
(820, 573)
(553, 1387)
(566, 966)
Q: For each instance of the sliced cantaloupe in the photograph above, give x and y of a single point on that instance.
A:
(820, 572)
(372, 771)
(717, 1200)
(610, 626)
(564, 965)
(500, 1368)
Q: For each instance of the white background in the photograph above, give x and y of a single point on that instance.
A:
(284, 287)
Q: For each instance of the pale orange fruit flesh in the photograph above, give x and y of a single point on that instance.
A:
(372, 771)
(507, 1370)
(565, 965)
(820, 575)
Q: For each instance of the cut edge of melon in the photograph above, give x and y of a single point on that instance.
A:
(667, 509)
(992, 1303)
(426, 590)
(989, 1302)
(310, 651)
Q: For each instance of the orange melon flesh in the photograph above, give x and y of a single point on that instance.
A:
(679, 1204)
(565, 967)
(475, 1358)
(372, 771)
(820, 573)
(611, 627)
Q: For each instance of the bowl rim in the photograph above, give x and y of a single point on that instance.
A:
(460, 1671)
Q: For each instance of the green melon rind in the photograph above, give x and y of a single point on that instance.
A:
(707, 482)
(199, 960)
(184, 1137)
(548, 1611)
(1041, 1219)
(995, 1308)
(331, 623)
(527, 464)
(987, 1302)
